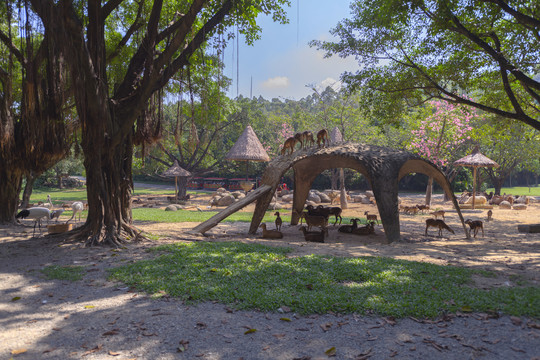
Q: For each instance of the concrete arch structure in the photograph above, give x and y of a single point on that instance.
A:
(383, 167)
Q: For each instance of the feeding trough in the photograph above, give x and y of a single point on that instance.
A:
(59, 228)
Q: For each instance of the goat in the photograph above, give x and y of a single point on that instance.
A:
(270, 234)
(475, 225)
(439, 224)
(312, 236)
(371, 217)
(279, 221)
(290, 143)
(365, 230)
(349, 228)
(326, 212)
(438, 213)
(316, 220)
(489, 215)
(322, 137)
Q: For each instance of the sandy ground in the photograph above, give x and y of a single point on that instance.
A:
(98, 319)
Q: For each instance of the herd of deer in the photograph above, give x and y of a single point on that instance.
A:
(318, 217)
(305, 138)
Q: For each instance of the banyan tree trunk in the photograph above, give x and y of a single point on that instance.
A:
(11, 182)
(28, 188)
(429, 191)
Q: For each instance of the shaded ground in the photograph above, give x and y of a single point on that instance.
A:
(97, 319)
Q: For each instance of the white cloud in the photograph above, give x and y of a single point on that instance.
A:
(329, 81)
(276, 82)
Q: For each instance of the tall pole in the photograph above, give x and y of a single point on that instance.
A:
(474, 186)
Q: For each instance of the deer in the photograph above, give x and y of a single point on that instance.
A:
(322, 137)
(270, 234)
(290, 143)
(365, 230)
(326, 212)
(489, 215)
(349, 228)
(279, 221)
(438, 213)
(439, 224)
(475, 225)
(300, 138)
(308, 138)
(316, 220)
(422, 208)
(371, 217)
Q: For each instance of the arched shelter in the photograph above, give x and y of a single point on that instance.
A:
(383, 167)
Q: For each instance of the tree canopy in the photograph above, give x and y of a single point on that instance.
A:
(482, 53)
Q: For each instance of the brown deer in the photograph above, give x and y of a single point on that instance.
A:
(308, 138)
(289, 144)
(438, 213)
(439, 224)
(475, 225)
(270, 234)
(300, 138)
(279, 221)
(489, 215)
(422, 208)
(365, 230)
(371, 217)
(322, 137)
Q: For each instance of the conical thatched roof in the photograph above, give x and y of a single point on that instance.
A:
(336, 136)
(476, 159)
(248, 147)
(176, 170)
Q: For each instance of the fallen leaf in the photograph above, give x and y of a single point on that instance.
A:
(250, 331)
(89, 306)
(284, 319)
(110, 332)
(331, 351)
(533, 325)
(49, 350)
(393, 353)
(309, 286)
(93, 350)
(113, 353)
(326, 326)
(466, 308)
(517, 350)
(363, 356)
(16, 298)
(516, 321)
(18, 351)
(266, 347)
(279, 336)
(390, 320)
(183, 345)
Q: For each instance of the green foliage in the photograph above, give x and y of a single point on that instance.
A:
(71, 273)
(252, 276)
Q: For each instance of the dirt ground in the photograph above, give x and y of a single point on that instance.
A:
(98, 319)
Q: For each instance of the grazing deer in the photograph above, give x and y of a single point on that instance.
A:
(322, 137)
(412, 210)
(289, 144)
(439, 224)
(489, 214)
(370, 217)
(279, 221)
(422, 208)
(475, 225)
(300, 138)
(438, 213)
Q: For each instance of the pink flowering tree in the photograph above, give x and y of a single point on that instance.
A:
(440, 136)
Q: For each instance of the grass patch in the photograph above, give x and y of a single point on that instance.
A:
(158, 215)
(253, 276)
(519, 190)
(71, 273)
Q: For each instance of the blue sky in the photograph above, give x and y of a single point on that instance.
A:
(281, 63)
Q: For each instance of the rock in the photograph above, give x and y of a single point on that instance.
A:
(505, 205)
(237, 194)
(226, 200)
(314, 198)
(324, 198)
(287, 198)
(369, 194)
(311, 203)
(478, 200)
(357, 198)
(285, 192)
(171, 208)
(365, 200)
(221, 191)
(519, 207)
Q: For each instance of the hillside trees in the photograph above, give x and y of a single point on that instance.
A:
(155, 40)
(35, 117)
(481, 53)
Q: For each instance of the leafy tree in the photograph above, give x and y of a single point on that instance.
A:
(511, 144)
(456, 51)
(120, 54)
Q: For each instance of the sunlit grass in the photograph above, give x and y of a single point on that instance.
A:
(252, 276)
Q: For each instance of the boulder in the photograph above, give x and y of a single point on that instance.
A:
(314, 198)
(519, 207)
(171, 208)
(221, 190)
(478, 200)
(287, 198)
(505, 205)
(369, 194)
(237, 194)
(324, 198)
(226, 200)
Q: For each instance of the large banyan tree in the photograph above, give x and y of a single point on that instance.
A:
(35, 125)
(119, 54)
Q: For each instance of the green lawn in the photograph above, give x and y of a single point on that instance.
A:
(523, 190)
(252, 276)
